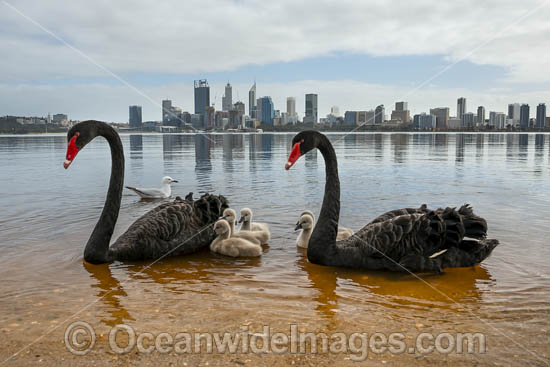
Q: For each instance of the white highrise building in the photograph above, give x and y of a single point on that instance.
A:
(291, 106)
(335, 111)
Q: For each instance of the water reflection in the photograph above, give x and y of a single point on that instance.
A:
(400, 144)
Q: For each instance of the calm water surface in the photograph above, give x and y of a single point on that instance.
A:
(48, 214)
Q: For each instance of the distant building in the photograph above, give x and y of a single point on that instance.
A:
(401, 106)
(497, 120)
(460, 107)
(379, 114)
(59, 117)
(524, 116)
(335, 111)
(267, 110)
(514, 112)
(135, 120)
(311, 116)
(227, 99)
(291, 106)
(350, 118)
(252, 103)
(166, 111)
(468, 120)
(481, 115)
(202, 99)
(239, 106)
(424, 121)
(453, 123)
(401, 112)
(442, 115)
(541, 116)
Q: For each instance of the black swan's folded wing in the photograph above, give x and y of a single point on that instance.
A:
(423, 240)
(175, 228)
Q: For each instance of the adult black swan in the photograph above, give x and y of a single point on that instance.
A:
(416, 239)
(175, 228)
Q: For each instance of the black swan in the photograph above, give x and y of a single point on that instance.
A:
(414, 239)
(179, 227)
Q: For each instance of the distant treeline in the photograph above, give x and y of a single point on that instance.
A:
(9, 125)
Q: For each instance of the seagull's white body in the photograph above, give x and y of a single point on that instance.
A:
(164, 192)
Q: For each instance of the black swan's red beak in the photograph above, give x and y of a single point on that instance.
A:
(72, 151)
(294, 155)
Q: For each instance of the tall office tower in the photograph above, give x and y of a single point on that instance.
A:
(541, 116)
(442, 115)
(166, 111)
(202, 99)
(335, 111)
(379, 114)
(311, 109)
(524, 116)
(513, 112)
(401, 106)
(267, 110)
(291, 106)
(227, 99)
(460, 107)
(135, 117)
(252, 101)
(481, 115)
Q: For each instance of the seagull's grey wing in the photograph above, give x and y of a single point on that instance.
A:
(147, 193)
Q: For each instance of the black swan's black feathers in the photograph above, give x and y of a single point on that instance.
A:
(176, 228)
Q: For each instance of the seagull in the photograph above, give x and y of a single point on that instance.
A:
(164, 192)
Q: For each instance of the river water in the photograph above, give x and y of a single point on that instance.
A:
(47, 214)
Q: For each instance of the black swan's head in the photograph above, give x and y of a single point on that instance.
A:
(80, 135)
(302, 143)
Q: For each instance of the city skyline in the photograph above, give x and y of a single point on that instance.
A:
(352, 66)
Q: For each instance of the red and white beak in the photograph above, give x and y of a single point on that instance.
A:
(72, 151)
(294, 155)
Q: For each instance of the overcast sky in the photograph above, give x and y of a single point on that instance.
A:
(354, 54)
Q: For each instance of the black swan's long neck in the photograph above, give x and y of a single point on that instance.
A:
(322, 244)
(97, 248)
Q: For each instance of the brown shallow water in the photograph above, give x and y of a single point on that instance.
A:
(48, 213)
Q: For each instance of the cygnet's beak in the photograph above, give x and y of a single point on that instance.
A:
(241, 220)
(298, 226)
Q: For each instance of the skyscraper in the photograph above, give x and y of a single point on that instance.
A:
(481, 115)
(442, 115)
(380, 112)
(135, 117)
(513, 112)
(335, 111)
(227, 99)
(541, 116)
(252, 101)
(267, 110)
(166, 110)
(460, 107)
(311, 109)
(291, 106)
(202, 99)
(524, 116)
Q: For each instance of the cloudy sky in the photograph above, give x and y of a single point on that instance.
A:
(61, 56)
